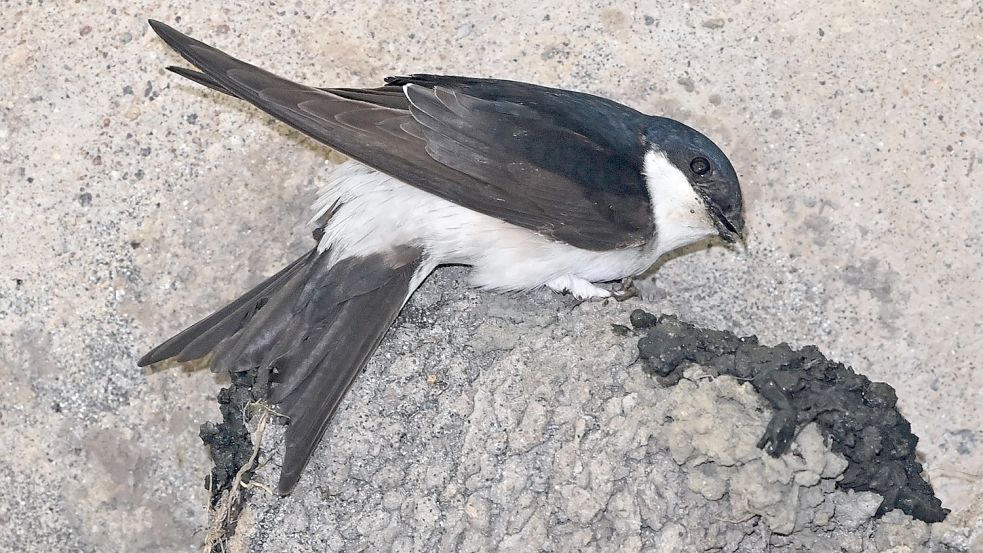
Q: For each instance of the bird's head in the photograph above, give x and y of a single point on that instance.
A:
(694, 188)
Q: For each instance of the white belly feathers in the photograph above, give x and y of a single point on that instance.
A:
(364, 211)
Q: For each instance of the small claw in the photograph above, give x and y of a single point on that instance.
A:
(628, 291)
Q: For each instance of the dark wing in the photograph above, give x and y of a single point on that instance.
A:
(560, 163)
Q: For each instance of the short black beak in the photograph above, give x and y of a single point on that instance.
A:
(722, 197)
(730, 232)
(727, 231)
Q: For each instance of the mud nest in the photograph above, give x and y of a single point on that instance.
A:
(857, 416)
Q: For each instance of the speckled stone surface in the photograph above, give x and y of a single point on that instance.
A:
(132, 202)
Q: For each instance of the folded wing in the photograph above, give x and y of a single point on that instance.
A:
(559, 163)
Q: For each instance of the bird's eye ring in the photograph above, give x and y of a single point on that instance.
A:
(700, 166)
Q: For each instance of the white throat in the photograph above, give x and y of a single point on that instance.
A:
(681, 218)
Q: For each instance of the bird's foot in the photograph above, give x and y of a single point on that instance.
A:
(628, 290)
(579, 288)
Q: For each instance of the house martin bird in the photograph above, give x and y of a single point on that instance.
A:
(530, 186)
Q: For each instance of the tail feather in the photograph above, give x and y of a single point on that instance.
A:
(355, 332)
(201, 337)
(219, 335)
(310, 329)
(248, 348)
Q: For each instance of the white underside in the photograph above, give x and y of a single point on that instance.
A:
(365, 211)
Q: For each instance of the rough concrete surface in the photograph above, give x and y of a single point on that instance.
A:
(132, 202)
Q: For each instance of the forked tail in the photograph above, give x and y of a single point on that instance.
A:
(309, 329)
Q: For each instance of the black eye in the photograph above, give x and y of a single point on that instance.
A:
(700, 166)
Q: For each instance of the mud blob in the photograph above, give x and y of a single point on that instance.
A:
(858, 416)
(229, 444)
